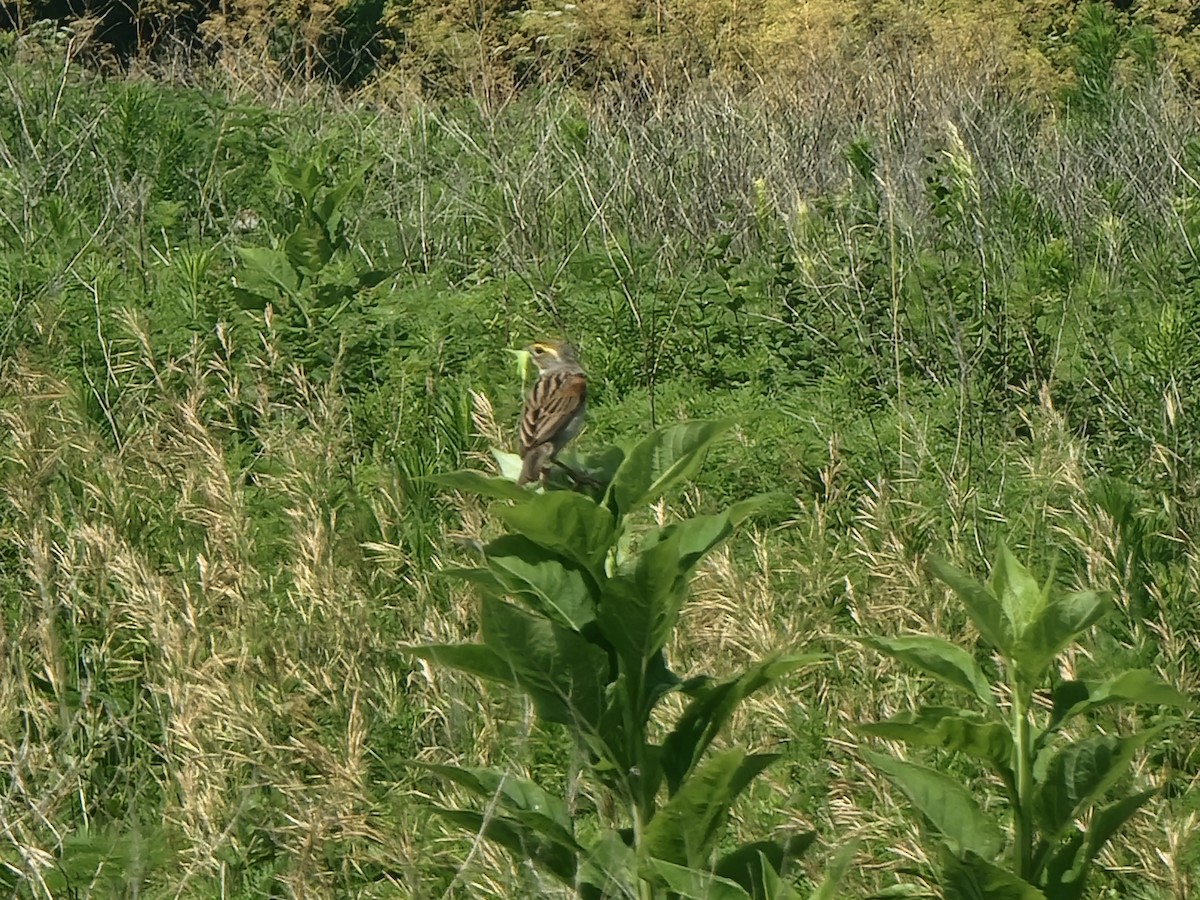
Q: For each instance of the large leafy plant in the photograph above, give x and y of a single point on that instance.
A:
(578, 606)
(325, 301)
(1055, 770)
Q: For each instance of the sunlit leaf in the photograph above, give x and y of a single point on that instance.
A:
(609, 870)
(1020, 596)
(510, 468)
(329, 210)
(1076, 775)
(1105, 822)
(684, 829)
(711, 708)
(569, 524)
(547, 583)
(694, 884)
(946, 805)
(638, 609)
(263, 266)
(831, 884)
(474, 659)
(519, 839)
(660, 461)
(564, 674)
(937, 657)
(983, 608)
(1131, 686)
(308, 248)
(546, 812)
(951, 729)
(1059, 621)
(969, 877)
(473, 482)
(640, 604)
(748, 864)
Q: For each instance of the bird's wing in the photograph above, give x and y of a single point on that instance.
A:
(551, 404)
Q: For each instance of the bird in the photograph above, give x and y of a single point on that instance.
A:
(554, 409)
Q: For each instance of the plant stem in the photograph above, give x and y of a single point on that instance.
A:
(1023, 760)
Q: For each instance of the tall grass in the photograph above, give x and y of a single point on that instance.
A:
(955, 312)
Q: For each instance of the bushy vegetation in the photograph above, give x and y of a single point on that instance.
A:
(241, 342)
(496, 48)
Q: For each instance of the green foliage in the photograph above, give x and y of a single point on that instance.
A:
(323, 303)
(598, 603)
(217, 523)
(1051, 775)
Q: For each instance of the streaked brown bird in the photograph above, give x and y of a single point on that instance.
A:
(554, 409)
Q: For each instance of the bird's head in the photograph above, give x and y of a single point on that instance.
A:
(551, 354)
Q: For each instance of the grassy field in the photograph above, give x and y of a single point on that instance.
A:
(238, 334)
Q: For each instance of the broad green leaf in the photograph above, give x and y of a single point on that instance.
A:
(523, 842)
(951, 729)
(304, 178)
(1055, 877)
(600, 464)
(694, 884)
(329, 210)
(308, 248)
(550, 585)
(632, 619)
(1130, 686)
(1063, 696)
(945, 803)
(683, 830)
(514, 793)
(264, 266)
(1105, 822)
(1066, 875)
(968, 877)
(484, 578)
(1075, 776)
(609, 870)
(983, 608)
(568, 524)
(564, 674)
(474, 659)
(473, 482)
(697, 539)
(1020, 596)
(830, 885)
(639, 609)
(711, 708)
(937, 657)
(771, 886)
(746, 864)
(1058, 622)
(614, 744)
(660, 461)
(632, 698)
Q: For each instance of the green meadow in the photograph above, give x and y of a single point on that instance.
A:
(892, 395)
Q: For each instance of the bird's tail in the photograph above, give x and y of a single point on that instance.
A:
(533, 463)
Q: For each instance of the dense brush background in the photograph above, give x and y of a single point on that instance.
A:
(259, 268)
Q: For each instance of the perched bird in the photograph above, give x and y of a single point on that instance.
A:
(554, 408)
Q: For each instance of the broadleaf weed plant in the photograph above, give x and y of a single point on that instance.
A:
(577, 609)
(1052, 774)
